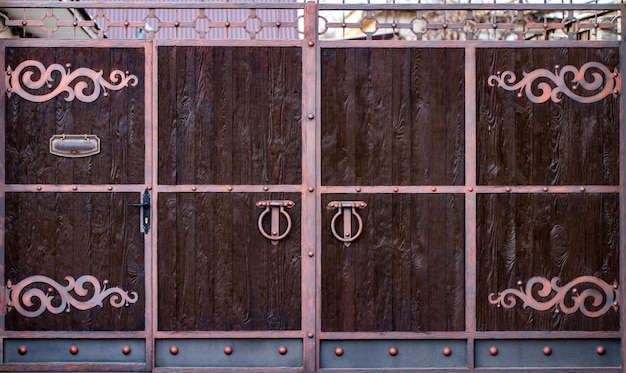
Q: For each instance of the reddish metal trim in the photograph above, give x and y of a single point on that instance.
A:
(268, 334)
(11, 334)
(470, 200)
(467, 43)
(622, 192)
(309, 190)
(119, 188)
(472, 188)
(2, 199)
(221, 188)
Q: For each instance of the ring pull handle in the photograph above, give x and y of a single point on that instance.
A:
(348, 210)
(275, 209)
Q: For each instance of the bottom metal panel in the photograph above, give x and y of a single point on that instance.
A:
(74, 351)
(228, 353)
(567, 353)
(393, 354)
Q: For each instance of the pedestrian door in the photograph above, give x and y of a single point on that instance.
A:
(313, 205)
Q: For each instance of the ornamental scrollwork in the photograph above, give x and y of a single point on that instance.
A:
(591, 77)
(32, 301)
(594, 301)
(33, 75)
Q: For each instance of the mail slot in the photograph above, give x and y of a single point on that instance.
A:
(74, 146)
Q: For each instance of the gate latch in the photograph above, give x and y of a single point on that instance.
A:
(145, 205)
(348, 210)
(276, 208)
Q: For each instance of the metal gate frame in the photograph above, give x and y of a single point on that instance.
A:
(312, 21)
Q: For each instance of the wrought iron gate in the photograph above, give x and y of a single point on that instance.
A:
(382, 199)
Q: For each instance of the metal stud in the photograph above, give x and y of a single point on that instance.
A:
(433, 189)
(174, 350)
(228, 350)
(493, 351)
(282, 350)
(22, 350)
(358, 189)
(311, 189)
(339, 351)
(600, 350)
(393, 351)
(311, 44)
(126, 350)
(310, 116)
(194, 188)
(310, 335)
(447, 351)
(73, 350)
(311, 254)
(396, 189)
(547, 351)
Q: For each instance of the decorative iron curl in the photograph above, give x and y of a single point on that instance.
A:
(579, 301)
(24, 76)
(22, 296)
(602, 77)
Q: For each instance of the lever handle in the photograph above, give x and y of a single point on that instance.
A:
(145, 205)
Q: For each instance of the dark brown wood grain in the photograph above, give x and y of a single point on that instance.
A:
(393, 116)
(559, 235)
(230, 115)
(118, 119)
(565, 143)
(62, 234)
(404, 273)
(217, 272)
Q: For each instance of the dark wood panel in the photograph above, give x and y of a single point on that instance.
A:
(118, 119)
(217, 272)
(59, 235)
(564, 235)
(230, 115)
(397, 119)
(523, 143)
(404, 273)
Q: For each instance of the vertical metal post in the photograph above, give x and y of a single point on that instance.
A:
(622, 187)
(470, 200)
(310, 254)
(3, 301)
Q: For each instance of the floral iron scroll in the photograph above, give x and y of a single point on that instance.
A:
(592, 302)
(23, 297)
(34, 75)
(601, 79)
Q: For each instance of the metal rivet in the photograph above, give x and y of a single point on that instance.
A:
(393, 25)
(470, 189)
(68, 65)
(311, 44)
(493, 351)
(176, 24)
(73, 350)
(228, 350)
(547, 351)
(24, 23)
(311, 189)
(447, 351)
(445, 26)
(310, 116)
(277, 24)
(615, 304)
(265, 188)
(282, 350)
(358, 189)
(344, 25)
(393, 351)
(600, 350)
(545, 189)
(396, 189)
(495, 25)
(38, 187)
(519, 94)
(22, 350)
(582, 189)
(229, 188)
(75, 23)
(149, 187)
(126, 350)
(126, 23)
(174, 350)
(339, 351)
(519, 283)
(109, 188)
(74, 187)
(508, 190)
(227, 24)
(311, 254)
(9, 90)
(310, 335)
(433, 189)
(193, 188)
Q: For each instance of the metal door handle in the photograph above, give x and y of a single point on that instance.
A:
(145, 205)
(276, 208)
(348, 210)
